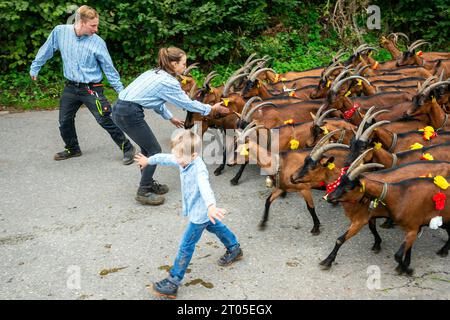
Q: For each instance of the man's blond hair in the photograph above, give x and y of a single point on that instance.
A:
(85, 13)
(186, 143)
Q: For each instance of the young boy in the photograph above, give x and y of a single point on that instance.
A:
(199, 205)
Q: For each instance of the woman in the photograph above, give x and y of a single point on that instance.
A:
(151, 90)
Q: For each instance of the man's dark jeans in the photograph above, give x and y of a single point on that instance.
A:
(71, 100)
(129, 117)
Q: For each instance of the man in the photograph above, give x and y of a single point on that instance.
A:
(84, 56)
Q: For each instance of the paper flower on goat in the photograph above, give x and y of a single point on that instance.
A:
(439, 200)
(416, 146)
(377, 145)
(426, 156)
(349, 113)
(294, 144)
(289, 121)
(324, 130)
(428, 133)
(441, 182)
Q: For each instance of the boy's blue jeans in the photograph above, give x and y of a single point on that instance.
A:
(191, 237)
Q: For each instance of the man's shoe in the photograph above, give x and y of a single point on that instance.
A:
(230, 256)
(128, 156)
(154, 187)
(165, 288)
(150, 199)
(66, 154)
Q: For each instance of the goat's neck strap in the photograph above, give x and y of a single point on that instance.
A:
(394, 142)
(341, 137)
(444, 123)
(394, 160)
(383, 192)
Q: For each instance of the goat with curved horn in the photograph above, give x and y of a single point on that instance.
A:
(365, 135)
(427, 90)
(250, 58)
(316, 155)
(248, 104)
(363, 168)
(337, 85)
(324, 140)
(358, 161)
(230, 81)
(259, 106)
(363, 122)
(254, 75)
(416, 44)
(188, 69)
(372, 117)
(319, 121)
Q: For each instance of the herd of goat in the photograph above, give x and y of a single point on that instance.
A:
(372, 134)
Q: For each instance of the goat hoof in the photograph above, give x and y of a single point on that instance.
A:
(284, 194)
(376, 248)
(262, 226)
(399, 270)
(234, 182)
(409, 271)
(325, 265)
(443, 253)
(218, 172)
(315, 231)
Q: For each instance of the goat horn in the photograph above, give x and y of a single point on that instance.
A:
(395, 37)
(192, 91)
(320, 110)
(363, 123)
(402, 34)
(246, 133)
(329, 70)
(363, 168)
(441, 77)
(230, 82)
(426, 83)
(357, 50)
(341, 82)
(209, 77)
(247, 105)
(254, 75)
(188, 69)
(259, 106)
(434, 85)
(358, 161)
(338, 55)
(365, 135)
(372, 117)
(416, 44)
(249, 58)
(324, 140)
(319, 121)
(325, 148)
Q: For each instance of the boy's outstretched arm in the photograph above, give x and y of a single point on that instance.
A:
(208, 197)
(163, 159)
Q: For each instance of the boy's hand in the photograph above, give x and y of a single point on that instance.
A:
(215, 213)
(141, 160)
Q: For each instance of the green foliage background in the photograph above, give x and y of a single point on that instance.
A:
(219, 34)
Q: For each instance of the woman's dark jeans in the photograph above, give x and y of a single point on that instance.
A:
(129, 117)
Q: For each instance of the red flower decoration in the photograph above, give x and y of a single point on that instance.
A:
(439, 199)
(349, 113)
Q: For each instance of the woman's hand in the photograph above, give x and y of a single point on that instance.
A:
(219, 109)
(141, 160)
(177, 123)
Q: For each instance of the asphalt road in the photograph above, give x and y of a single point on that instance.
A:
(72, 230)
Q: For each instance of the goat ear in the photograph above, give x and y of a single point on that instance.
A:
(419, 87)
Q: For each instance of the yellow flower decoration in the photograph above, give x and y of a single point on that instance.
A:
(433, 99)
(292, 94)
(359, 82)
(283, 79)
(324, 130)
(441, 182)
(277, 78)
(289, 121)
(427, 129)
(427, 156)
(363, 187)
(244, 151)
(348, 93)
(225, 101)
(294, 144)
(416, 146)
(331, 166)
(328, 83)
(184, 81)
(377, 145)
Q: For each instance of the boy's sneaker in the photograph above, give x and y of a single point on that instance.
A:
(128, 156)
(165, 288)
(230, 256)
(66, 154)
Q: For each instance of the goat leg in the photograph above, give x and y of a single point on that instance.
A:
(238, 175)
(219, 170)
(354, 229)
(373, 228)
(388, 224)
(275, 194)
(307, 195)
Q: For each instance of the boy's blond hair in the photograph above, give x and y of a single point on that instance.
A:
(186, 143)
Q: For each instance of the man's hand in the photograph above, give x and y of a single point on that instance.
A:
(177, 123)
(215, 213)
(141, 160)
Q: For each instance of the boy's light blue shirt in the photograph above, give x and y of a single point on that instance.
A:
(154, 87)
(83, 57)
(196, 191)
